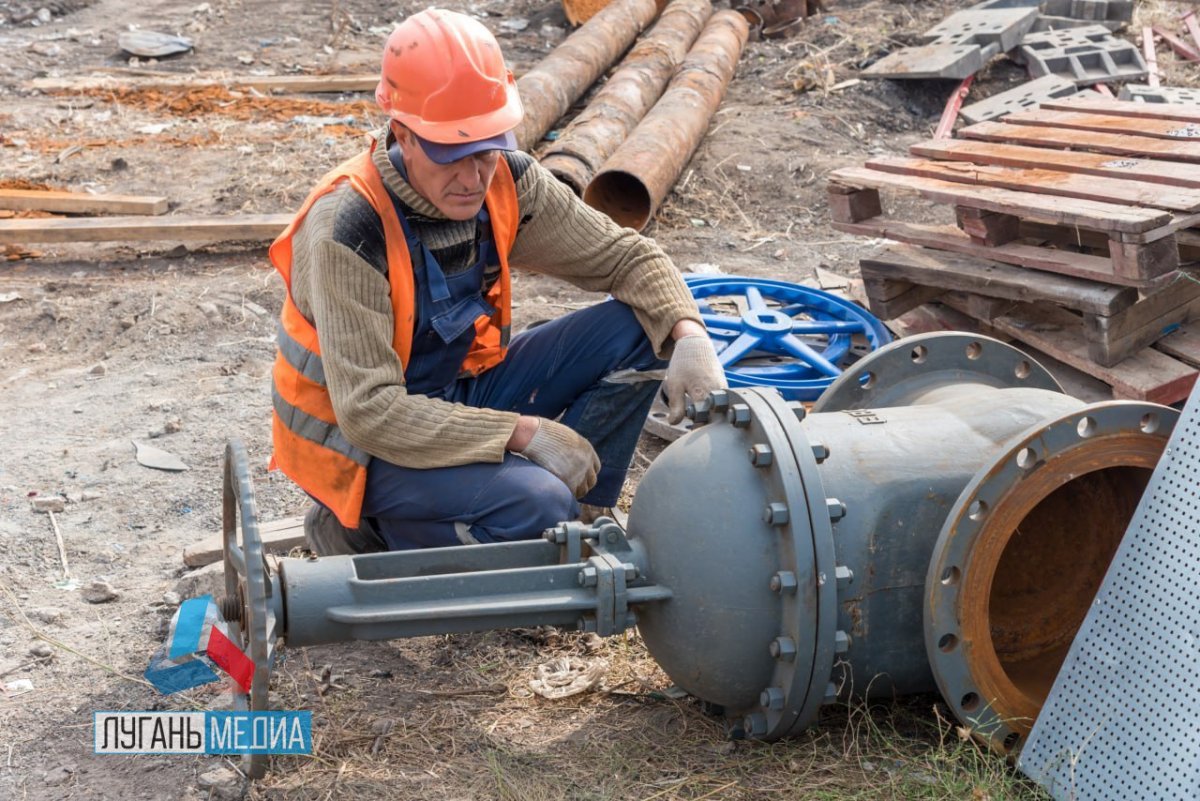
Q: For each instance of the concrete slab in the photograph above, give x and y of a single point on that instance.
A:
(1027, 95)
(1085, 55)
(1141, 93)
(931, 61)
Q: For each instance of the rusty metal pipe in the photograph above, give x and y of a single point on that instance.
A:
(562, 77)
(637, 177)
(626, 97)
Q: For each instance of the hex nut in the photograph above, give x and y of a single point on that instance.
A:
(784, 582)
(761, 455)
(783, 648)
(776, 514)
(588, 577)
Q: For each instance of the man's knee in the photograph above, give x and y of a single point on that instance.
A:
(534, 500)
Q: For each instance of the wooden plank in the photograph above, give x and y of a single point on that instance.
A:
(1113, 143)
(889, 299)
(258, 227)
(1089, 102)
(1047, 182)
(308, 84)
(79, 202)
(1156, 258)
(860, 204)
(1106, 123)
(1084, 213)
(279, 536)
(1150, 376)
(1113, 338)
(1148, 170)
(946, 237)
(1183, 344)
(987, 227)
(958, 273)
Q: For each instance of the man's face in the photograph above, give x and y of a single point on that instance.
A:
(457, 189)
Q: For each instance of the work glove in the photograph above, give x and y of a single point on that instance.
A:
(564, 453)
(692, 372)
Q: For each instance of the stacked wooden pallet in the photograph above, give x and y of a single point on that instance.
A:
(1074, 231)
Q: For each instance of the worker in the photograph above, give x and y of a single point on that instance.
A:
(400, 405)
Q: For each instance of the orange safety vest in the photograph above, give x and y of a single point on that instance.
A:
(309, 447)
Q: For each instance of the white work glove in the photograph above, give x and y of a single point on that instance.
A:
(564, 453)
(694, 372)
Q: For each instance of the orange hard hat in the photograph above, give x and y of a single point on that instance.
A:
(443, 77)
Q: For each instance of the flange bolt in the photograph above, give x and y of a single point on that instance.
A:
(761, 455)
(739, 415)
(718, 400)
(588, 577)
(784, 582)
(844, 576)
(797, 409)
(837, 509)
(783, 648)
(771, 698)
(755, 724)
(775, 514)
(820, 452)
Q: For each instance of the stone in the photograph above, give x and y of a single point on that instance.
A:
(44, 15)
(99, 592)
(49, 503)
(41, 650)
(171, 599)
(222, 783)
(98, 369)
(90, 495)
(58, 776)
(208, 580)
(45, 614)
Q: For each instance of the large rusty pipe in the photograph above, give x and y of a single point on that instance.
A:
(562, 77)
(626, 97)
(637, 177)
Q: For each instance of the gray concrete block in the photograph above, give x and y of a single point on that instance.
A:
(1045, 23)
(1140, 93)
(1085, 55)
(1027, 95)
(931, 61)
(1003, 26)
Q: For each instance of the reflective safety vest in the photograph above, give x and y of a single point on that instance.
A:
(308, 445)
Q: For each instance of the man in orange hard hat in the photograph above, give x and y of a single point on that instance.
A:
(400, 405)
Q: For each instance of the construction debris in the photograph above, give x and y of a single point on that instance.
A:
(1028, 193)
(79, 202)
(1024, 96)
(1085, 55)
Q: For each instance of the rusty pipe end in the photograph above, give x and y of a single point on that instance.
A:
(622, 196)
(1022, 555)
(570, 169)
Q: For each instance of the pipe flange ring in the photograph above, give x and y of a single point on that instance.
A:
(898, 374)
(1022, 554)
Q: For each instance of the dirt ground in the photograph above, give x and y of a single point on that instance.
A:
(101, 345)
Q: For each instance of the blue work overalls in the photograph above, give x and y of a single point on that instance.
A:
(558, 368)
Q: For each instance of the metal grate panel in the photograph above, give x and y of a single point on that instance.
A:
(1123, 718)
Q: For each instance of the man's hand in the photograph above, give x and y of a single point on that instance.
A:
(694, 371)
(560, 450)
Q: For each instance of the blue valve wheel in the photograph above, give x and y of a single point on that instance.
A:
(771, 333)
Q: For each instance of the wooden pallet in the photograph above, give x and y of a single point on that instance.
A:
(1092, 188)
(1116, 322)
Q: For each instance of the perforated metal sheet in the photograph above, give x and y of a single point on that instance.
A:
(1123, 718)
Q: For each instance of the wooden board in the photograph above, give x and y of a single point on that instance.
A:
(1107, 123)
(1084, 213)
(1095, 104)
(959, 273)
(260, 227)
(1148, 376)
(79, 202)
(1114, 143)
(309, 84)
(945, 237)
(1183, 344)
(279, 536)
(1147, 170)
(1047, 182)
(1114, 338)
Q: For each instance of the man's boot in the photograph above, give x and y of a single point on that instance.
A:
(326, 536)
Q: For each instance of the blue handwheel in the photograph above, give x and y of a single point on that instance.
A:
(771, 333)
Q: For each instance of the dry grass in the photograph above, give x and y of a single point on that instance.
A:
(452, 717)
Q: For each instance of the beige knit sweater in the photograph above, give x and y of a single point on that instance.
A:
(339, 283)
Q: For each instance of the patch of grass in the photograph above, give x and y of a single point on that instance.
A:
(431, 724)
